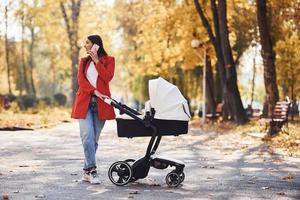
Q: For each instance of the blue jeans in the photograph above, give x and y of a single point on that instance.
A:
(90, 129)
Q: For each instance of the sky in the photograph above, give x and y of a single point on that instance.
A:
(14, 30)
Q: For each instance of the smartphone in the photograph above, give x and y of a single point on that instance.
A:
(95, 48)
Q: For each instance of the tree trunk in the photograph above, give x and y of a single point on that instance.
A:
(218, 87)
(31, 60)
(7, 51)
(19, 80)
(253, 79)
(53, 70)
(24, 71)
(293, 96)
(72, 31)
(217, 45)
(220, 63)
(75, 55)
(210, 96)
(231, 92)
(226, 67)
(268, 56)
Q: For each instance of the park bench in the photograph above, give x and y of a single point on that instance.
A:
(278, 122)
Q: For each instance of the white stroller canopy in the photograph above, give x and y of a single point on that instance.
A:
(167, 100)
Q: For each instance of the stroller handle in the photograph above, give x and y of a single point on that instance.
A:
(108, 100)
(124, 109)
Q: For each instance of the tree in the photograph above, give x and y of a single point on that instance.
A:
(27, 14)
(210, 94)
(288, 68)
(54, 53)
(24, 74)
(31, 58)
(157, 39)
(243, 17)
(7, 55)
(72, 27)
(226, 65)
(268, 56)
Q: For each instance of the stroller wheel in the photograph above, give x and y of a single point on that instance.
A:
(173, 179)
(182, 177)
(120, 173)
(131, 161)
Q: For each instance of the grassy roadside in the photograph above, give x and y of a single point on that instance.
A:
(49, 116)
(288, 144)
(34, 118)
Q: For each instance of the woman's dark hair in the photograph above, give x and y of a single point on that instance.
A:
(96, 39)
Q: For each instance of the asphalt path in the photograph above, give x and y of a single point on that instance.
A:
(47, 164)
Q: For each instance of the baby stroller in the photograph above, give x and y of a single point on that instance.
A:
(166, 113)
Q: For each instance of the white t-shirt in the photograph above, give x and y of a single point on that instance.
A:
(92, 74)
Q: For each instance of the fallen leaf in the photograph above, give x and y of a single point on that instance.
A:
(155, 184)
(40, 196)
(134, 192)
(5, 197)
(280, 193)
(288, 177)
(270, 151)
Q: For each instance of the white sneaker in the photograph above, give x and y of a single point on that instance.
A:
(85, 176)
(94, 178)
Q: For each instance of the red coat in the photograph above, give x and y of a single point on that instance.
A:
(105, 68)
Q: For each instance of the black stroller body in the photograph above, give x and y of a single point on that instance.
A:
(122, 172)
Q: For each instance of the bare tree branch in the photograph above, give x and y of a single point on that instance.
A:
(72, 26)
(205, 22)
(67, 21)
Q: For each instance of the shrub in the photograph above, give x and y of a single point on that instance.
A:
(27, 101)
(60, 99)
(45, 100)
(10, 97)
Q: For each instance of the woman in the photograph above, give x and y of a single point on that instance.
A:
(94, 74)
